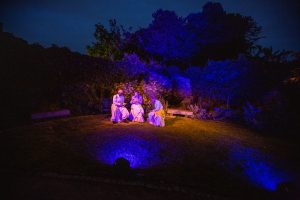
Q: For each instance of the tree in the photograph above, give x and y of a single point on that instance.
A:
(221, 35)
(211, 34)
(108, 44)
(167, 38)
(267, 54)
(227, 80)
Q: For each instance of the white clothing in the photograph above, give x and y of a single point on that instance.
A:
(157, 117)
(118, 110)
(137, 111)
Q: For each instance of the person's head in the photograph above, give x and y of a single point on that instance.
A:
(136, 93)
(120, 92)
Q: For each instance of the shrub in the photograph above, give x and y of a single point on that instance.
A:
(132, 66)
(146, 89)
(82, 98)
(225, 114)
(253, 116)
(226, 80)
(199, 112)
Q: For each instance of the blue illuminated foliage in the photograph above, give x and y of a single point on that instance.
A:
(132, 65)
(224, 79)
(167, 37)
(256, 168)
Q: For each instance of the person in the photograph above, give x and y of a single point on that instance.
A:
(157, 116)
(137, 111)
(118, 111)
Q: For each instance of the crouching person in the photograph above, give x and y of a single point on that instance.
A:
(157, 116)
(118, 111)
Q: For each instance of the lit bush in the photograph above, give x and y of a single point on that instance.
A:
(146, 89)
(132, 66)
(199, 112)
(226, 82)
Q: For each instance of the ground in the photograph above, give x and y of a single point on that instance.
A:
(72, 158)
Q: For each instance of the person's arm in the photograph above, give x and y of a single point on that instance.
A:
(140, 100)
(115, 101)
(122, 101)
(132, 100)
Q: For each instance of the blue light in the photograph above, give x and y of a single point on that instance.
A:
(256, 168)
(141, 153)
(248, 163)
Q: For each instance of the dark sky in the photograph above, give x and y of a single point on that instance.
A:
(71, 22)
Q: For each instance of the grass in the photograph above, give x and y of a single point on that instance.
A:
(190, 153)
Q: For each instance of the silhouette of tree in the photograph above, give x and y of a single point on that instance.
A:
(108, 43)
(221, 35)
(167, 38)
(268, 54)
(211, 34)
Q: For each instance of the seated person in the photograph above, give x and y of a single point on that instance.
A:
(157, 116)
(137, 111)
(118, 111)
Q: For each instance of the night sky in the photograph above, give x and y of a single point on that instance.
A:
(71, 22)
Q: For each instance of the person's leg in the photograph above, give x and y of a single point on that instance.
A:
(161, 121)
(140, 113)
(137, 113)
(113, 113)
(124, 113)
(116, 114)
(131, 114)
(151, 119)
(158, 120)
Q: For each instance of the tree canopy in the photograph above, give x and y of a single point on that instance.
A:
(211, 34)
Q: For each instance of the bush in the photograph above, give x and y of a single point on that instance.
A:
(225, 114)
(82, 98)
(227, 80)
(270, 113)
(132, 66)
(199, 112)
(253, 116)
(146, 89)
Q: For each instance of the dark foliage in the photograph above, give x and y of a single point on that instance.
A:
(211, 34)
(37, 79)
(222, 35)
(108, 43)
(232, 78)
